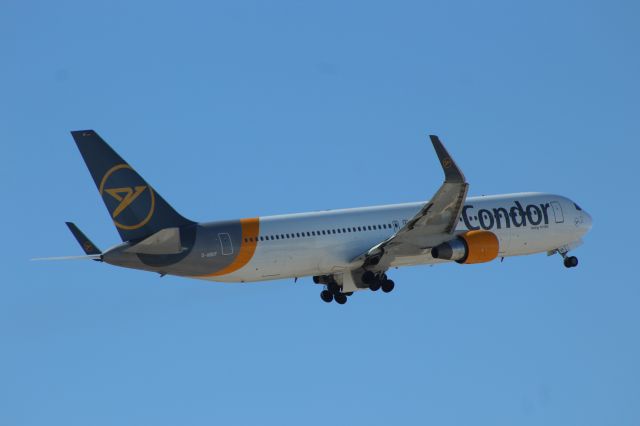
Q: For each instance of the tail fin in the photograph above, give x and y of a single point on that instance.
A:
(136, 209)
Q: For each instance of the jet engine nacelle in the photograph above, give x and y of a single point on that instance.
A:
(470, 247)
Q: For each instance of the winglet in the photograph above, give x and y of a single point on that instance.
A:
(86, 244)
(452, 172)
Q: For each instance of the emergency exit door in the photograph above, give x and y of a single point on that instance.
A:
(225, 243)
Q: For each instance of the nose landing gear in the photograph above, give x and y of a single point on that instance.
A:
(570, 261)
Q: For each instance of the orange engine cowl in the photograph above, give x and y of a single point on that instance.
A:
(470, 247)
(482, 246)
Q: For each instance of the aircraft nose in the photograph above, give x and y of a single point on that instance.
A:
(587, 221)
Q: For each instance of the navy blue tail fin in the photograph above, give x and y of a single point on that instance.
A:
(135, 208)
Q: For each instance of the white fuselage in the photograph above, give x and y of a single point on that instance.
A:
(326, 242)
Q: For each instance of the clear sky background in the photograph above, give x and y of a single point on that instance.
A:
(247, 108)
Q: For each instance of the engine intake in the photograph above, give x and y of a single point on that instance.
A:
(470, 247)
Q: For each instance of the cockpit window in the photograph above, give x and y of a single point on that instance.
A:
(577, 207)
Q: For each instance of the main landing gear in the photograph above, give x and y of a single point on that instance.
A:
(332, 292)
(377, 282)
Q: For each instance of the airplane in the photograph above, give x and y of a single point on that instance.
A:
(345, 250)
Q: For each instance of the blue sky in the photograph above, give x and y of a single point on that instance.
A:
(248, 108)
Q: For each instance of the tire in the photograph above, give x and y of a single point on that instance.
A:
(340, 298)
(326, 296)
(574, 261)
(387, 286)
(375, 285)
(368, 277)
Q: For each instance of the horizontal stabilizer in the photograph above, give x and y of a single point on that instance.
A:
(88, 257)
(165, 241)
(87, 246)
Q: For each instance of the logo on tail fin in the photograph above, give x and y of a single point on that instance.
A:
(125, 196)
(129, 199)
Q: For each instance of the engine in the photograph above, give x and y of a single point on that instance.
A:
(470, 247)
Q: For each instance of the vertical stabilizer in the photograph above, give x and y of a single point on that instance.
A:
(136, 209)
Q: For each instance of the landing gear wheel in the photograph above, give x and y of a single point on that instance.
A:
(570, 262)
(368, 277)
(333, 288)
(340, 298)
(387, 286)
(326, 296)
(375, 285)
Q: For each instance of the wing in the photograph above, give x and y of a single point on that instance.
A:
(432, 225)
